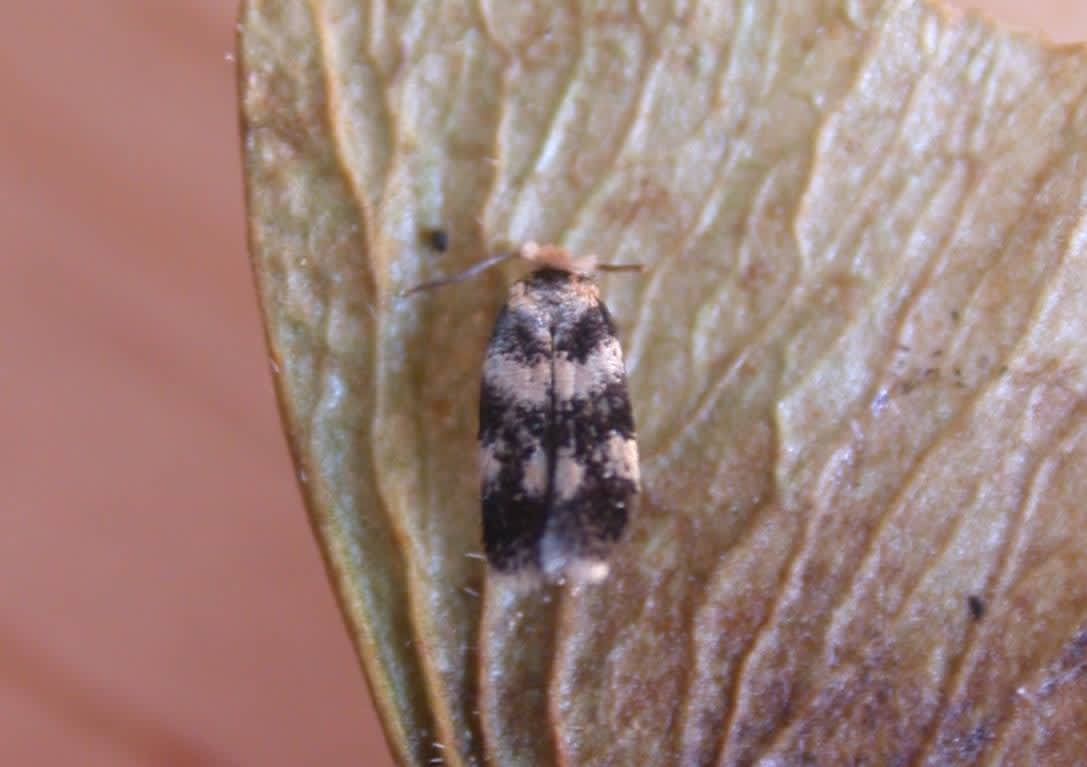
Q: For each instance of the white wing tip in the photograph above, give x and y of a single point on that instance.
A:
(586, 572)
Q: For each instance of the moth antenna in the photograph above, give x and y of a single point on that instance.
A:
(467, 274)
(620, 267)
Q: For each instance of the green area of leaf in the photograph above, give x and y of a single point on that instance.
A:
(856, 359)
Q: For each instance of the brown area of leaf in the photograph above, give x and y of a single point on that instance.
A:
(856, 360)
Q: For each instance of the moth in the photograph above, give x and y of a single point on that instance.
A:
(558, 453)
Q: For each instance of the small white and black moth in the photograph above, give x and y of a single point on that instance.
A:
(558, 454)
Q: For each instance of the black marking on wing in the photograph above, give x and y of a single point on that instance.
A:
(520, 335)
(586, 332)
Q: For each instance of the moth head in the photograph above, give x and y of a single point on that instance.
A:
(549, 256)
(556, 257)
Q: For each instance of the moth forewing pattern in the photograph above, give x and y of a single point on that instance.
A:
(558, 454)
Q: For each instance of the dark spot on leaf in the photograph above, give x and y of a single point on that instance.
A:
(977, 606)
(437, 238)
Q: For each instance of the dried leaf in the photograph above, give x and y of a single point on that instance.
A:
(856, 362)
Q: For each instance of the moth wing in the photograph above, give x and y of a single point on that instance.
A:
(595, 479)
(514, 419)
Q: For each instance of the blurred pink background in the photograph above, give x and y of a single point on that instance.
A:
(162, 601)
